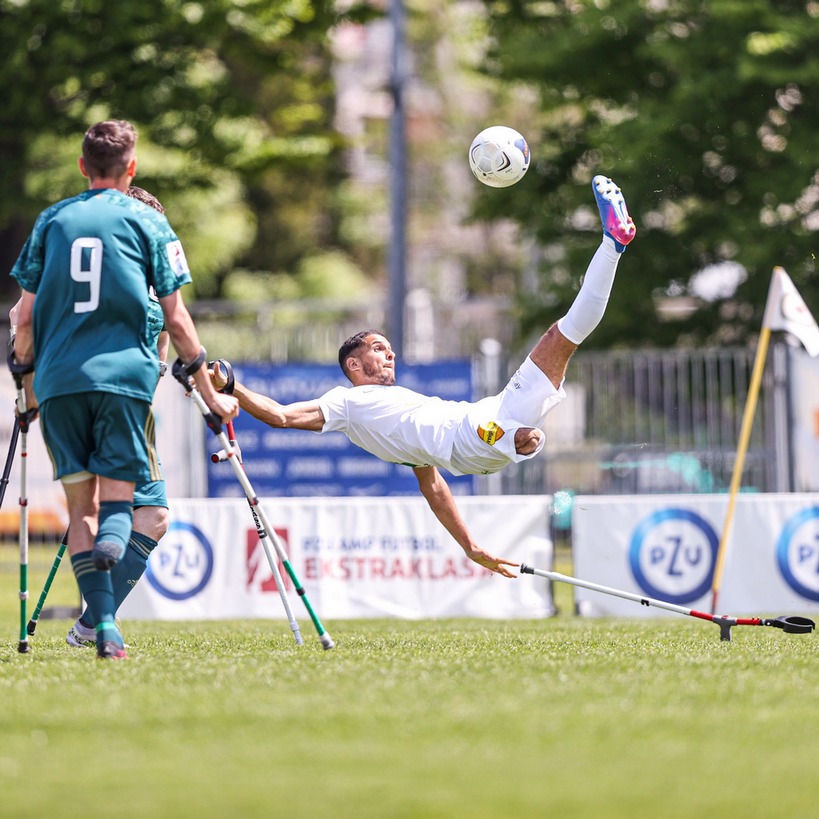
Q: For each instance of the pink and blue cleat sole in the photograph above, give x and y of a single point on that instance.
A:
(617, 224)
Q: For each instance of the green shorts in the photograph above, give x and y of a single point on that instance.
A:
(101, 433)
(150, 494)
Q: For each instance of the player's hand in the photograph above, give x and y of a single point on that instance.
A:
(494, 564)
(217, 377)
(225, 406)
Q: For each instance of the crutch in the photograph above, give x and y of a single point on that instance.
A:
(180, 372)
(235, 454)
(214, 424)
(35, 615)
(790, 624)
(23, 419)
(15, 434)
(263, 526)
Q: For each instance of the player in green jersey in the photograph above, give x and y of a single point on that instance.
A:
(85, 273)
(150, 499)
(150, 522)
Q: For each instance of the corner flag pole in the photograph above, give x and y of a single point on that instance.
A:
(742, 448)
(785, 310)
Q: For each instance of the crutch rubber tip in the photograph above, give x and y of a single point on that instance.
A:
(23, 647)
(31, 627)
(524, 569)
(326, 641)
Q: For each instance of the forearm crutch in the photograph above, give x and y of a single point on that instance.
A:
(234, 454)
(15, 434)
(271, 559)
(215, 425)
(263, 527)
(23, 418)
(791, 624)
(35, 615)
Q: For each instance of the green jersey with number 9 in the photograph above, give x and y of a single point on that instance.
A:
(91, 260)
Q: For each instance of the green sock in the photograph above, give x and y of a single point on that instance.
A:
(126, 574)
(107, 630)
(115, 520)
(95, 587)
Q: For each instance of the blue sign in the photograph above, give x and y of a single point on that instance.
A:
(672, 555)
(182, 564)
(797, 553)
(289, 462)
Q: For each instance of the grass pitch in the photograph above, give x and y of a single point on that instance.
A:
(563, 717)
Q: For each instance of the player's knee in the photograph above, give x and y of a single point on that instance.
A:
(152, 521)
(552, 353)
(161, 523)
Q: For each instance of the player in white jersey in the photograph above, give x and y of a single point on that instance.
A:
(429, 433)
(406, 427)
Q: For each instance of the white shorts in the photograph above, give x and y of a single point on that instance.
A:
(485, 440)
(529, 396)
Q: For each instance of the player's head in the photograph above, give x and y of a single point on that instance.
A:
(367, 358)
(109, 150)
(352, 347)
(146, 198)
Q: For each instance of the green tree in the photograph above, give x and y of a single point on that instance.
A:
(236, 94)
(705, 112)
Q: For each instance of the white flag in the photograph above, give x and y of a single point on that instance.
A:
(785, 310)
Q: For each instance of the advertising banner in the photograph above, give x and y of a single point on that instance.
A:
(355, 557)
(665, 547)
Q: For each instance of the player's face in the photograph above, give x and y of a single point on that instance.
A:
(377, 361)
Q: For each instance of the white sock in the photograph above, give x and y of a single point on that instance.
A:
(84, 631)
(590, 305)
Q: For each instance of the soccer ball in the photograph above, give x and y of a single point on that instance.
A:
(499, 156)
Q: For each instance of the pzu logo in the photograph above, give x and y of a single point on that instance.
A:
(797, 553)
(181, 565)
(672, 555)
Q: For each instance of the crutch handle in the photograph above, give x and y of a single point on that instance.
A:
(18, 370)
(227, 369)
(221, 456)
(183, 374)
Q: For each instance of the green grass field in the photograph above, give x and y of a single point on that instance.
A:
(460, 718)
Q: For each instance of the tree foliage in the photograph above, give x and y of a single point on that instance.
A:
(236, 94)
(705, 112)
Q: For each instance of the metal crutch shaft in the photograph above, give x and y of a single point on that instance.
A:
(215, 425)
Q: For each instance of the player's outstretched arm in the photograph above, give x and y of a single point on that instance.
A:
(299, 415)
(437, 493)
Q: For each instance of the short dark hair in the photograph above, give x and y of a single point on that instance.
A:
(351, 345)
(108, 147)
(146, 198)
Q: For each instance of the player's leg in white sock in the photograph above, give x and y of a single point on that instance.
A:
(590, 305)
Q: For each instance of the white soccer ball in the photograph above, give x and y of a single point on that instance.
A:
(499, 156)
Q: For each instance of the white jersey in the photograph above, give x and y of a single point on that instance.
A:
(405, 427)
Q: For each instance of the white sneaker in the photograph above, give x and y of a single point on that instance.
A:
(81, 637)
